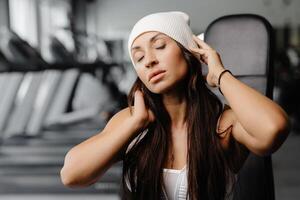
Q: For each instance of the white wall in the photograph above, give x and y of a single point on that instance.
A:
(115, 16)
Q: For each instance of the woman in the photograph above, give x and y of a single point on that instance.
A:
(175, 138)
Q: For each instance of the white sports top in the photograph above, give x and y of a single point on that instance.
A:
(175, 183)
(175, 180)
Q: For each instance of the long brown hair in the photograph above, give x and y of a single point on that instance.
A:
(208, 170)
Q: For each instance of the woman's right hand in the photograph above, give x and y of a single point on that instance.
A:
(141, 115)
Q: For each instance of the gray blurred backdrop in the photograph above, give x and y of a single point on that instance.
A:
(65, 71)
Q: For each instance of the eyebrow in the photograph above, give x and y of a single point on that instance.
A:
(151, 40)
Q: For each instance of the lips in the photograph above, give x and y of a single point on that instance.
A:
(154, 73)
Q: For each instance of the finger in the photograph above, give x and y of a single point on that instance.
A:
(197, 50)
(139, 103)
(201, 52)
(201, 43)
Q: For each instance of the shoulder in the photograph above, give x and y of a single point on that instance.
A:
(116, 121)
(237, 153)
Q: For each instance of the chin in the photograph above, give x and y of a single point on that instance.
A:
(160, 88)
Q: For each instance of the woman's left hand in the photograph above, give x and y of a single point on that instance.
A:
(211, 58)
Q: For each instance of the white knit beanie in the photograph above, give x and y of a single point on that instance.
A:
(175, 24)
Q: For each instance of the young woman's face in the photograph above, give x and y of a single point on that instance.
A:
(159, 62)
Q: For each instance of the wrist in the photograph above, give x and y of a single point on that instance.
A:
(220, 77)
(217, 75)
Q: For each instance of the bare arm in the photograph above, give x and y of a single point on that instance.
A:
(259, 123)
(85, 163)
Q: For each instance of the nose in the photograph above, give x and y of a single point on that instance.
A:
(151, 60)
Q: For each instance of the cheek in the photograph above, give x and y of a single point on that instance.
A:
(178, 64)
(173, 56)
(179, 58)
(142, 75)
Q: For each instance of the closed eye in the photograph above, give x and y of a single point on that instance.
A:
(140, 59)
(161, 47)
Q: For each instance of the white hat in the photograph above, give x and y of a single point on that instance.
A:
(175, 24)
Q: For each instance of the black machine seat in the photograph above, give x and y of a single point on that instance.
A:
(244, 42)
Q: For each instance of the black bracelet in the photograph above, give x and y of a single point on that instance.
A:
(220, 79)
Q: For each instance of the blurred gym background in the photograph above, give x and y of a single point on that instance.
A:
(65, 71)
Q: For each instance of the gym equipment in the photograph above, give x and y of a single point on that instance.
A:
(245, 43)
(40, 120)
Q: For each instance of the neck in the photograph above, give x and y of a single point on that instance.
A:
(175, 104)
